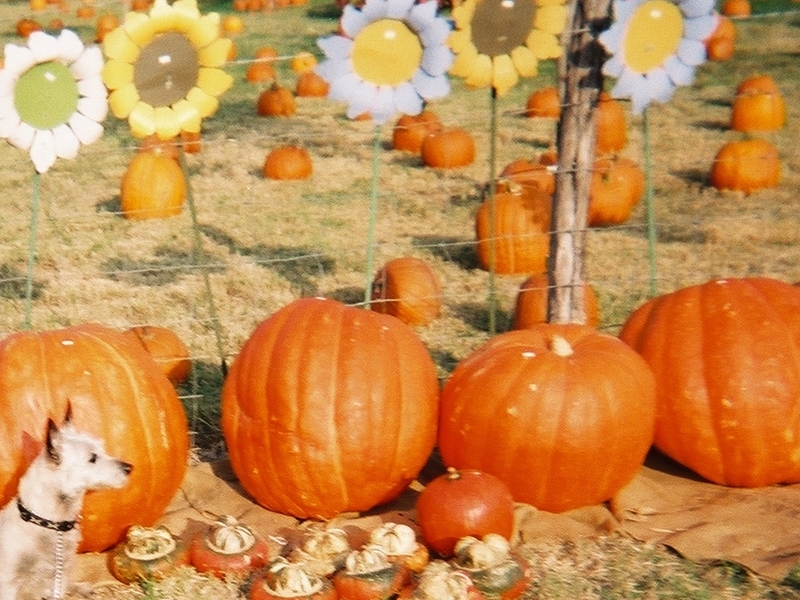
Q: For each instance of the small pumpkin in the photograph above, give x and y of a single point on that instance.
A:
(369, 575)
(303, 62)
(276, 101)
(758, 105)
(532, 300)
(461, 503)
(411, 130)
(722, 42)
(449, 148)
(492, 566)
(521, 231)
(746, 165)
(544, 103)
(323, 551)
(260, 70)
(26, 26)
(399, 542)
(611, 126)
(288, 162)
(736, 8)
(191, 141)
(228, 548)
(284, 580)
(105, 23)
(167, 349)
(311, 84)
(616, 187)
(147, 554)
(531, 172)
(564, 401)
(232, 24)
(85, 12)
(153, 187)
(409, 289)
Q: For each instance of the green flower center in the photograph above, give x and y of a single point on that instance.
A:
(167, 68)
(499, 26)
(46, 95)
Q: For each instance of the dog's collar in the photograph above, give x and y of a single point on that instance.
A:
(42, 522)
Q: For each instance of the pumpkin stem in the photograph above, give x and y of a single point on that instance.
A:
(453, 474)
(560, 346)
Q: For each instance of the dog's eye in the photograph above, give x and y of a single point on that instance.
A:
(93, 458)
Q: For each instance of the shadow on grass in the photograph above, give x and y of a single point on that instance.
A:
(451, 249)
(476, 315)
(14, 284)
(167, 267)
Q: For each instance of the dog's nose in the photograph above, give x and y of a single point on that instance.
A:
(126, 467)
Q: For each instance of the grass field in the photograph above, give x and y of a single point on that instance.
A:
(264, 243)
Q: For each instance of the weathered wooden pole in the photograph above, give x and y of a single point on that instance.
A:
(580, 83)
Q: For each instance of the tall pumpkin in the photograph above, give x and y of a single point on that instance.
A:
(153, 187)
(726, 356)
(563, 414)
(329, 408)
(117, 392)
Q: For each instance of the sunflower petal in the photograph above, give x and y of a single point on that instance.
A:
(215, 54)
(465, 61)
(551, 19)
(544, 45)
(118, 45)
(204, 30)
(122, 100)
(504, 75)
(187, 115)
(139, 28)
(460, 39)
(205, 104)
(481, 74)
(142, 120)
(167, 125)
(214, 81)
(525, 61)
(117, 73)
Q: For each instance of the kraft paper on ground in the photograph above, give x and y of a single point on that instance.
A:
(665, 504)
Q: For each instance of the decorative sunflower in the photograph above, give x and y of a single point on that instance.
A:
(498, 41)
(163, 68)
(655, 47)
(391, 57)
(52, 99)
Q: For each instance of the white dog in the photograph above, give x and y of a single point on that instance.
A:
(39, 529)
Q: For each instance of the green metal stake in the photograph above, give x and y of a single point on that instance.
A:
(373, 216)
(492, 214)
(650, 209)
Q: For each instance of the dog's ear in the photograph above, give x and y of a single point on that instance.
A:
(68, 415)
(53, 447)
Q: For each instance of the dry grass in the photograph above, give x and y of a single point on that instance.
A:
(265, 243)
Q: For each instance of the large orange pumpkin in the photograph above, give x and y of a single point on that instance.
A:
(117, 393)
(409, 289)
(746, 165)
(617, 185)
(758, 105)
(166, 348)
(726, 356)
(329, 408)
(531, 305)
(521, 231)
(563, 414)
(153, 187)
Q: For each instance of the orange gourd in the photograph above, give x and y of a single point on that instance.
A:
(725, 358)
(736, 8)
(409, 289)
(612, 126)
(563, 414)
(153, 187)
(276, 101)
(260, 70)
(531, 304)
(521, 231)
(448, 148)
(543, 103)
(411, 130)
(617, 186)
(758, 105)
(746, 165)
(288, 162)
(721, 44)
(117, 393)
(311, 84)
(318, 418)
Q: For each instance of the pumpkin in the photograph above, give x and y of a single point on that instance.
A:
(721, 43)
(317, 416)
(543, 103)
(166, 348)
(228, 548)
(520, 232)
(746, 165)
(758, 105)
(530, 172)
(398, 542)
(448, 148)
(303, 62)
(324, 549)
(276, 101)
(736, 8)
(147, 554)
(284, 580)
(311, 84)
(461, 503)
(561, 413)
(611, 134)
(191, 141)
(153, 143)
(492, 566)
(116, 393)
(725, 357)
(85, 12)
(288, 162)
(232, 24)
(532, 301)
(411, 130)
(105, 23)
(408, 289)
(153, 187)
(369, 575)
(616, 187)
(26, 26)
(260, 70)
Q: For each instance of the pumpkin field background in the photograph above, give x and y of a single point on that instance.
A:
(261, 243)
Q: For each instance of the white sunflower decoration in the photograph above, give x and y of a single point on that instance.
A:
(390, 58)
(52, 98)
(655, 46)
(164, 68)
(498, 41)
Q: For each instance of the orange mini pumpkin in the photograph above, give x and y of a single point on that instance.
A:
(276, 101)
(408, 289)
(411, 130)
(736, 8)
(288, 162)
(311, 84)
(260, 70)
(302, 62)
(612, 126)
(105, 23)
(531, 304)
(746, 165)
(617, 186)
(758, 105)
(521, 231)
(721, 44)
(153, 187)
(448, 148)
(543, 103)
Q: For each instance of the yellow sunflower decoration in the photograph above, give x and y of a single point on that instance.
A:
(163, 68)
(498, 41)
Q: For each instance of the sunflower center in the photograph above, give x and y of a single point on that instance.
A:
(167, 68)
(46, 95)
(499, 26)
(386, 52)
(653, 34)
